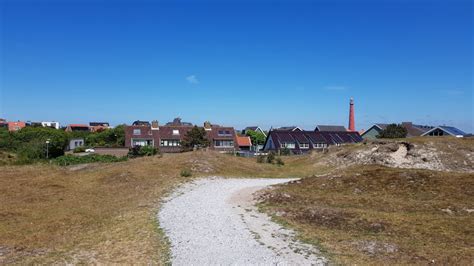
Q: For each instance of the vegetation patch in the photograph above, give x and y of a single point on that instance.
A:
(378, 215)
(91, 158)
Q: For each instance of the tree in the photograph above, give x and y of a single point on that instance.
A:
(30, 143)
(257, 137)
(196, 137)
(393, 131)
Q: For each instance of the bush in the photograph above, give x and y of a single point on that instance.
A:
(285, 151)
(79, 149)
(260, 159)
(139, 151)
(93, 158)
(185, 173)
(271, 157)
(393, 131)
(279, 161)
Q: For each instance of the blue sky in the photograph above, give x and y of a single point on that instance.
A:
(238, 63)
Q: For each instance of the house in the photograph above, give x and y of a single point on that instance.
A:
(304, 141)
(223, 139)
(15, 126)
(77, 128)
(445, 131)
(141, 123)
(98, 126)
(412, 130)
(177, 122)
(51, 124)
(244, 143)
(329, 128)
(253, 128)
(75, 143)
(290, 128)
(3, 123)
(168, 138)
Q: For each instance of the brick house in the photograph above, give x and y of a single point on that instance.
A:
(168, 138)
(15, 126)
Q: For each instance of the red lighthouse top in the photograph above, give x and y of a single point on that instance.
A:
(351, 116)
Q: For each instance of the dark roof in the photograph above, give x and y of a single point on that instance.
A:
(330, 128)
(103, 124)
(141, 123)
(289, 128)
(177, 122)
(166, 132)
(330, 138)
(254, 128)
(221, 133)
(453, 131)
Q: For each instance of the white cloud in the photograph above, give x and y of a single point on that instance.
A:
(192, 79)
(335, 88)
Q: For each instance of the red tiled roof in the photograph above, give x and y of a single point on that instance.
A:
(244, 141)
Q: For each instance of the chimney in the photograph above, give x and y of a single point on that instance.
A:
(351, 116)
(155, 125)
(207, 126)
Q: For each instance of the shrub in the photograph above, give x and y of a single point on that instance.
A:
(93, 158)
(285, 151)
(393, 131)
(79, 149)
(185, 173)
(279, 161)
(271, 157)
(260, 159)
(139, 151)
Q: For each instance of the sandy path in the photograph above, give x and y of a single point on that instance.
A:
(214, 221)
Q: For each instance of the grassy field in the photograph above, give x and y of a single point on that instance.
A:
(378, 215)
(105, 212)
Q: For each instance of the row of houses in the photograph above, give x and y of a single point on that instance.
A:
(414, 130)
(169, 137)
(91, 127)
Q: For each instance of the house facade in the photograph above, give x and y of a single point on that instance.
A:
(51, 124)
(413, 130)
(299, 142)
(168, 138)
(445, 131)
(77, 127)
(15, 126)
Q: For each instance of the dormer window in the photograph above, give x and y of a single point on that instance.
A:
(224, 133)
(137, 131)
(175, 132)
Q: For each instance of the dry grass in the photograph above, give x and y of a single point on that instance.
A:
(104, 212)
(379, 215)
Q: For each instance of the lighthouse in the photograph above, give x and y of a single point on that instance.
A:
(351, 116)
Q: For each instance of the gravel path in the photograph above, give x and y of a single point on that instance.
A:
(214, 221)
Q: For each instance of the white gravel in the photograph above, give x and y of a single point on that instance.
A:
(213, 221)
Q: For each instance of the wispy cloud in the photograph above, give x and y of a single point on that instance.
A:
(192, 79)
(335, 88)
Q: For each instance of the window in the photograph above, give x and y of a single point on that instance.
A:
(142, 142)
(319, 145)
(288, 145)
(175, 132)
(224, 133)
(137, 131)
(170, 143)
(304, 145)
(224, 143)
